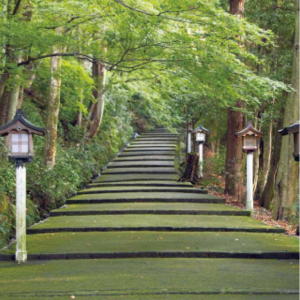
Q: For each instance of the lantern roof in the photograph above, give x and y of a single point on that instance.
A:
(249, 130)
(19, 122)
(200, 128)
(293, 128)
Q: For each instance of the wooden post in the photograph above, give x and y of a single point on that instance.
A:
(249, 201)
(200, 173)
(21, 252)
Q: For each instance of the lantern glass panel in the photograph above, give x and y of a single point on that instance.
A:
(200, 137)
(19, 143)
(250, 142)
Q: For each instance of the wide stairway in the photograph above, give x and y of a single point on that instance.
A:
(137, 233)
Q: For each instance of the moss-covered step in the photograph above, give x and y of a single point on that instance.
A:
(148, 149)
(149, 208)
(141, 196)
(152, 158)
(140, 278)
(144, 183)
(197, 207)
(157, 163)
(136, 177)
(155, 140)
(159, 135)
(152, 144)
(153, 170)
(146, 222)
(141, 183)
(146, 189)
(209, 243)
(147, 154)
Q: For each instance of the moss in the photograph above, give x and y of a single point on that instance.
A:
(132, 276)
(181, 221)
(99, 242)
(140, 169)
(147, 206)
(141, 195)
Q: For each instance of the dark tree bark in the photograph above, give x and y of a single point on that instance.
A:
(235, 122)
(97, 108)
(268, 192)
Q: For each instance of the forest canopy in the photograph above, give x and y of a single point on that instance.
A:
(94, 72)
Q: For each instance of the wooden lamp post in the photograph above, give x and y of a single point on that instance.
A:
(293, 129)
(200, 137)
(250, 137)
(18, 134)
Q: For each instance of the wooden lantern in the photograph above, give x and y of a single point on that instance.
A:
(18, 134)
(200, 134)
(250, 137)
(293, 129)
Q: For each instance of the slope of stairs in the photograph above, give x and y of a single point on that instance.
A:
(137, 211)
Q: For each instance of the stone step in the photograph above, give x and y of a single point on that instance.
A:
(152, 279)
(160, 244)
(136, 177)
(144, 183)
(154, 196)
(148, 154)
(151, 163)
(142, 170)
(214, 209)
(146, 157)
(155, 141)
(172, 223)
(137, 189)
(150, 151)
(150, 148)
(140, 166)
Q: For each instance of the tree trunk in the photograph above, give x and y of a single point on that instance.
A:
(97, 108)
(235, 122)
(268, 192)
(53, 111)
(265, 161)
(286, 182)
(234, 155)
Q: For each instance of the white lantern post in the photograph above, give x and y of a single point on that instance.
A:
(189, 138)
(250, 137)
(200, 137)
(18, 133)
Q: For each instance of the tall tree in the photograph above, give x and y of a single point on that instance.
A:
(286, 181)
(53, 106)
(235, 122)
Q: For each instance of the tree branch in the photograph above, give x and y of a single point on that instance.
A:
(17, 6)
(75, 54)
(160, 14)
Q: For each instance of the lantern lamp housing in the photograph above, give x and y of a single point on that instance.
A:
(190, 127)
(250, 137)
(293, 129)
(200, 134)
(18, 136)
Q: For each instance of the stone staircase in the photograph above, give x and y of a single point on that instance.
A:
(137, 211)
